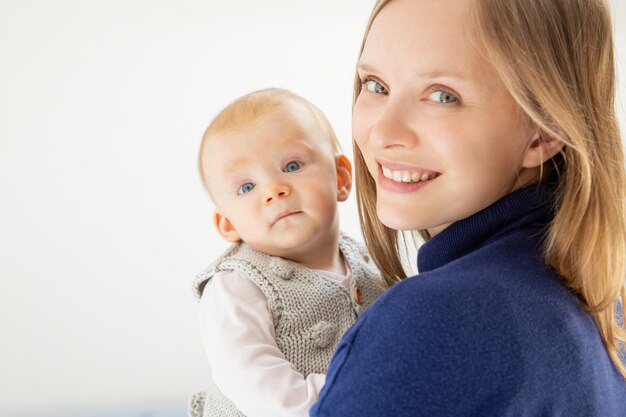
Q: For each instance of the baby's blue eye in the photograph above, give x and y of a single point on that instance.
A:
(293, 166)
(374, 86)
(245, 188)
(443, 96)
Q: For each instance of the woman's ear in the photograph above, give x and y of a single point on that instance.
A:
(225, 228)
(542, 147)
(344, 177)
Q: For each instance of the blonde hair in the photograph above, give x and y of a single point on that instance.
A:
(556, 59)
(247, 109)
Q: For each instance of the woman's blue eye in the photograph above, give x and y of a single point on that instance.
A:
(443, 96)
(292, 166)
(245, 188)
(374, 86)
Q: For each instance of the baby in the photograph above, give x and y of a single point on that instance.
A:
(274, 306)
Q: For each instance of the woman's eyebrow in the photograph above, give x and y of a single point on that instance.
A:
(447, 73)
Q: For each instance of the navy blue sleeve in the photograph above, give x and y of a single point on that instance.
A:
(417, 352)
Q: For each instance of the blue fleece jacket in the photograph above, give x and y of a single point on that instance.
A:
(485, 329)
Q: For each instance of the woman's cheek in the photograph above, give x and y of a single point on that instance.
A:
(360, 128)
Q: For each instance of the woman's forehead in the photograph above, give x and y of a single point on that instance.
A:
(426, 38)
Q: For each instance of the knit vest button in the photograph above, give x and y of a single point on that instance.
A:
(366, 257)
(323, 334)
(357, 296)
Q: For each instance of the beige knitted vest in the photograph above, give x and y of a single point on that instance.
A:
(310, 312)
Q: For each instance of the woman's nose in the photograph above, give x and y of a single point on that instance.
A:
(395, 127)
(276, 191)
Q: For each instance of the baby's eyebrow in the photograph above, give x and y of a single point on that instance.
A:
(365, 68)
(296, 145)
(234, 166)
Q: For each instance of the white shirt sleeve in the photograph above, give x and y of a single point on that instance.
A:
(239, 339)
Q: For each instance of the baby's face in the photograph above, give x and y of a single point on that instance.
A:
(274, 183)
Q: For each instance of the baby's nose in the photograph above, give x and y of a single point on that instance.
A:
(276, 191)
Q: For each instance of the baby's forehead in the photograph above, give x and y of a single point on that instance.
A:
(288, 110)
(283, 125)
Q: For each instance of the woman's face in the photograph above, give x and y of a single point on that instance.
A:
(439, 132)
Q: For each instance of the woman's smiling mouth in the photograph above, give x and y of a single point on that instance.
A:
(403, 179)
(408, 176)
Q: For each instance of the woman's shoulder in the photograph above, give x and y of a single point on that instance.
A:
(496, 291)
(436, 300)
(464, 342)
(481, 303)
(419, 336)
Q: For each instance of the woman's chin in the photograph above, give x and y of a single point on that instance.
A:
(404, 219)
(396, 219)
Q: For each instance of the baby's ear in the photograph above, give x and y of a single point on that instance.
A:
(225, 228)
(542, 147)
(344, 177)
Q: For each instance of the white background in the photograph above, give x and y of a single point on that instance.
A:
(103, 221)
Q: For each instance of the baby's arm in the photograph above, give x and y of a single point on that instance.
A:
(238, 336)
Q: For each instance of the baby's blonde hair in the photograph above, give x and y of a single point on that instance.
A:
(556, 59)
(247, 109)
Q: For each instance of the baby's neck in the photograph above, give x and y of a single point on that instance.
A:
(324, 260)
(325, 257)
(337, 265)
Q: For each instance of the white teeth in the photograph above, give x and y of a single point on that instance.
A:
(407, 176)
